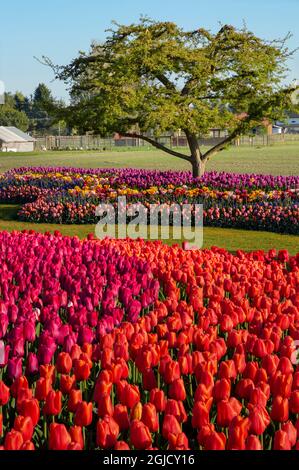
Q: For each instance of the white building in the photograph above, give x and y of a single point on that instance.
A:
(15, 140)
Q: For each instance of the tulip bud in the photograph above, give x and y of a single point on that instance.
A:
(13, 440)
(4, 393)
(140, 435)
(83, 416)
(136, 412)
(30, 408)
(107, 432)
(53, 403)
(281, 441)
(59, 438)
(25, 426)
(75, 397)
(121, 445)
(150, 417)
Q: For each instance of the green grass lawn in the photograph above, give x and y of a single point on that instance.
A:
(278, 159)
(229, 239)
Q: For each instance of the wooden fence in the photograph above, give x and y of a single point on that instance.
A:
(93, 142)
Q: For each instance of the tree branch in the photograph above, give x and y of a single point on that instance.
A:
(217, 148)
(133, 135)
(165, 81)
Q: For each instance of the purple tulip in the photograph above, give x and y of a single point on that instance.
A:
(32, 364)
(14, 368)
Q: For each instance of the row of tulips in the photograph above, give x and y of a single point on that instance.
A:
(210, 363)
(268, 216)
(27, 192)
(66, 177)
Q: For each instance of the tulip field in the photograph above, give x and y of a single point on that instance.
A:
(65, 195)
(122, 344)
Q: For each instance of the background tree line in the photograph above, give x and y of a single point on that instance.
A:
(34, 114)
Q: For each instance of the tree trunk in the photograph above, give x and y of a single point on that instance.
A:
(198, 166)
(197, 162)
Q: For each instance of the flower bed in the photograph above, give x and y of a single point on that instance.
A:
(131, 344)
(61, 195)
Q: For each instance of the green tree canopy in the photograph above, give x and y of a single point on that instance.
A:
(153, 77)
(12, 117)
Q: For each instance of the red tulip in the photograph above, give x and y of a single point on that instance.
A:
(67, 382)
(177, 390)
(21, 383)
(25, 426)
(281, 384)
(4, 393)
(259, 419)
(250, 370)
(43, 387)
(102, 388)
(75, 397)
(149, 381)
(215, 441)
(83, 414)
(294, 402)
(59, 438)
(253, 443)
(23, 394)
(74, 446)
(270, 364)
(176, 408)
(105, 406)
(227, 370)
(227, 410)
(172, 372)
(13, 440)
(281, 441)
(280, 409)
(157, 397)
(204, 432)
(120, 414)
(150, 417)
(170, 426)
(28, 445)
(64, 363)
(222, 390)
(258, 397)
(30, 408)
(121, 445)
(81, 369)
(140, 435)
(130, 395)
(47, 371)
(76, 435)
(107, 432)
(291, 431)
(178, 442)
(237, 434)
(53, 404)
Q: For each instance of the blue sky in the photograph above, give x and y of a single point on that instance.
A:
(60, 28)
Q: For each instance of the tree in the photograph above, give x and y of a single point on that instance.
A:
(20, 101)
(152, 77)
(42, 95)
(41, 101)
(12, 117)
